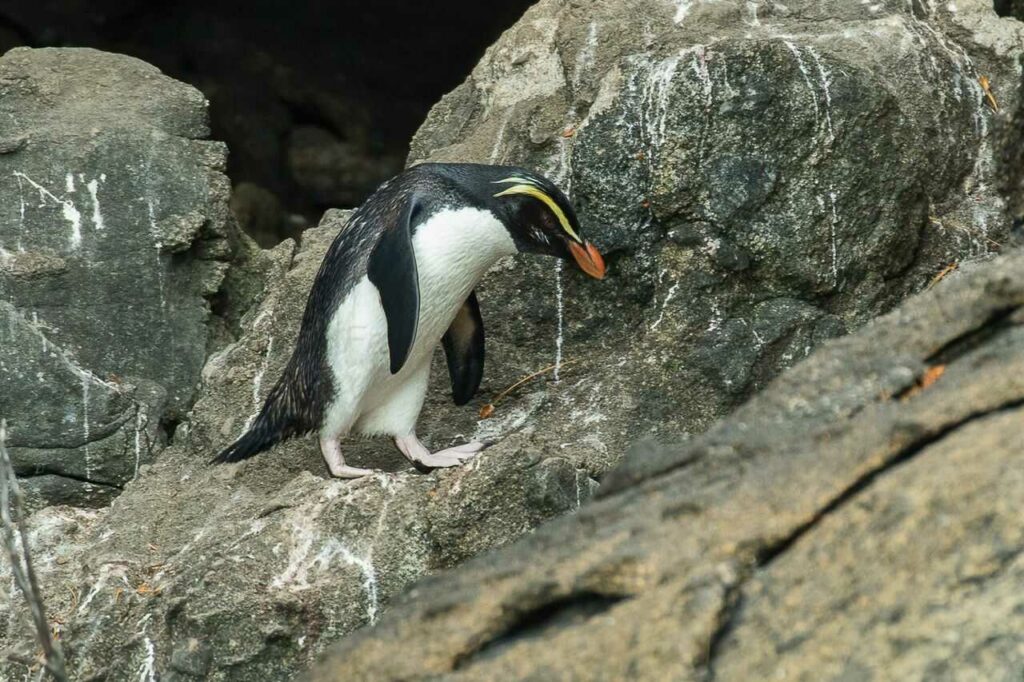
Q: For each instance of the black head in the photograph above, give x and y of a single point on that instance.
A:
(536, 213)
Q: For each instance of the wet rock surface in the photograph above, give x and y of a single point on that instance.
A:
(113, 237)
(847, 521)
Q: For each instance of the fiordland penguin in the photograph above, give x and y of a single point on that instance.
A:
(398, 279)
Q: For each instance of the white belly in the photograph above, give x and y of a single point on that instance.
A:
(454, 248)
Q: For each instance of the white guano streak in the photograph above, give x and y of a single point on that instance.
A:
(559, 337)
(68, 210)
(93, 187)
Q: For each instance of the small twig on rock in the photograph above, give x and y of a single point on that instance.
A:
(488, 409)
(942, 274)
(12, 515)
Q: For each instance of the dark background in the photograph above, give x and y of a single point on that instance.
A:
(317, 101)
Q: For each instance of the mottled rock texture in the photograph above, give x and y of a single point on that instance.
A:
(762, 182)
(189, 554)
(858, 519)
(763, 176)
(1010, 143)
(113, 238)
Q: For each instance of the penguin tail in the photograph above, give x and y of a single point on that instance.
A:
(274, 424)
(252, 442)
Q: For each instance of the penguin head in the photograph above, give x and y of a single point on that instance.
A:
(540, 218)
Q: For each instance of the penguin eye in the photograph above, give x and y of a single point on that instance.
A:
(549, 224)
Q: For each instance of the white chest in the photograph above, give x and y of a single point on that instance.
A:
(454, 249)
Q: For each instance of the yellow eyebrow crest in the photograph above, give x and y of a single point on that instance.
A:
(514, 179)
(525, 187)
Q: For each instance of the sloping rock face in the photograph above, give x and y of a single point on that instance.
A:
(762, 176)
(113, 236)
(859, 519)
(250, 571)
(171, 578)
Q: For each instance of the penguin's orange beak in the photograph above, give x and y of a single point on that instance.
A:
(588, 258)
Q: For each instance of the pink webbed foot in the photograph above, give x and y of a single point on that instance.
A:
(331, 450)
(422, 458)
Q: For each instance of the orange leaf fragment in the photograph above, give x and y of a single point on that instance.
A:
(986, 86)
(942, 273)
(931, 375)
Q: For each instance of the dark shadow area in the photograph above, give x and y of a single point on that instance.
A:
(1009, 8)
(565, 612)
(317, 101)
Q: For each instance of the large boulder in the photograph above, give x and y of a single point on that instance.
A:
(859, 519)
(762, 176)
(113, 238)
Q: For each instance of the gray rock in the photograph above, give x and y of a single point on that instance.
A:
(259, 213)
(76, 438)
(722, 275)
(859, 519)
(763, 177)
(1011, 166)
(113, 237)
(333, 172)
(190, 552)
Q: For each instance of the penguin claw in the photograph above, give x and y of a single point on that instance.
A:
(466, 449)
(425, 461)
(439, 461)
(350, 472)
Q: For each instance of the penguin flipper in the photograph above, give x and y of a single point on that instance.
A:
(392, 269)
(464, 349)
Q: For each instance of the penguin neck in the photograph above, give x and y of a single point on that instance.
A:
(455, 247)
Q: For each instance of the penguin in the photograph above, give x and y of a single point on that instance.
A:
(397, 280)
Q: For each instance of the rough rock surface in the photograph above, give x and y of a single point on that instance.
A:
(173, 574)
(1011, 166)
(113, 236)
(859, 519)
(763, 176)
(722, 274)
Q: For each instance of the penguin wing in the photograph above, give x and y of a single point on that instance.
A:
(464, 348)
(392, 269)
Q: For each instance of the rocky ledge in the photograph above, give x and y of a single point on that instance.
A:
(763, 180)
(859, 519)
